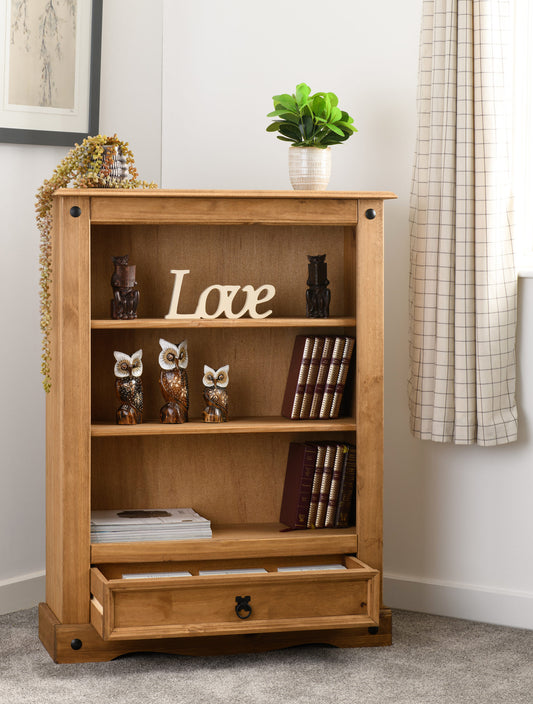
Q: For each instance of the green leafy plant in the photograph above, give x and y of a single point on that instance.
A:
(87, 165)
(310, 120)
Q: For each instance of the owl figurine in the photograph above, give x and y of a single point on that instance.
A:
(129, 387)
(173, 382)
(215, 394)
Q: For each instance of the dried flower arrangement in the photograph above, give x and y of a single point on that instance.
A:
(90, 164)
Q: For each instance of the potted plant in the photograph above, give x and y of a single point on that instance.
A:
(312, 124)
(98, 162)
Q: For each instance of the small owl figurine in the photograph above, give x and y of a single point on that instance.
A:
(173, 381)
(129, 387)
(215, 394)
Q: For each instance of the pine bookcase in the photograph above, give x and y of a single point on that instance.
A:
(232, 473)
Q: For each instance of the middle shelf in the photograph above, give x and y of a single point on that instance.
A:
(272, 424)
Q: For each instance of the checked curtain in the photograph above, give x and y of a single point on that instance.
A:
(462, 277)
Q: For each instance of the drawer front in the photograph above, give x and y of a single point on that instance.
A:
(270, 602)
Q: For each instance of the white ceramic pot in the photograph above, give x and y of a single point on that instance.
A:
(309, 168)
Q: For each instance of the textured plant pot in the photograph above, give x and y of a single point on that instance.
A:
(309, 168)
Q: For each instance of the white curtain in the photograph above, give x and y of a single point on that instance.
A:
(462, 277)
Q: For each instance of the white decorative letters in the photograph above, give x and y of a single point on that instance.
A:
(226, 296)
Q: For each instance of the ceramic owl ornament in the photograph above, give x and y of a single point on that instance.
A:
(129, 387)
(215, 394)
(173, 381)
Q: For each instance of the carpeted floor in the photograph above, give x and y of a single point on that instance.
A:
(434, 660)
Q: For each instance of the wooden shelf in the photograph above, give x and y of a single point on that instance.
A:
(161, 323)
(233, 541)
(274, 424)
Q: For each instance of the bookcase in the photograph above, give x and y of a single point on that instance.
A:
(232, 472)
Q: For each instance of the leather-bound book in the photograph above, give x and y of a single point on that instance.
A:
(327, 475)
(333, 374)
(346, 505)
(314, 365)
(318, 393)
(341, 379)
(317, 483)
(333, 499)
(297, 376)
(299, 474)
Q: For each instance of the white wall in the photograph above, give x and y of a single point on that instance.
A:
(131, 107)
(458, 521)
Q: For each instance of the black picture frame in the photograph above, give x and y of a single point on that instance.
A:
(60, 138)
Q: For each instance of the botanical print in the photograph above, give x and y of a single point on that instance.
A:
(42, 55)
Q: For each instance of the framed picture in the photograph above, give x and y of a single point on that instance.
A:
(50, 72)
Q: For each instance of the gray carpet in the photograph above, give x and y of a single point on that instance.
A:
(434, 660)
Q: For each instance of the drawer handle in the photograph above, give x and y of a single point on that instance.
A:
(243, 606)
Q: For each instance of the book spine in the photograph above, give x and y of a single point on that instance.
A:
(297, 376)
(333, 499)
(346, 506)
(301, 463)
(341, 380)
(325, 485)
(312, 374)
(321, 378)
(317, 481)
(331, 381)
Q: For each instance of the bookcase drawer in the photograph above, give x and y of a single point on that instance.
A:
(296, 594)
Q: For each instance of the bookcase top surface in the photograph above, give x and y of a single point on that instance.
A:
(173, 193)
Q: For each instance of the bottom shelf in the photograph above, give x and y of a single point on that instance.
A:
(233, 541)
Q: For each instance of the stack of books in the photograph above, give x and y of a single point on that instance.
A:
(319, 486)
(123, 526)
(317, 376)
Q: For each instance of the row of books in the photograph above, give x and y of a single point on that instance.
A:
(317, 376)
(122, 526)
(319, 486)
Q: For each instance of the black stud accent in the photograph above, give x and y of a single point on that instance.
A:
(373, 630)
(370, 214)
(75, 644)
(75, 211)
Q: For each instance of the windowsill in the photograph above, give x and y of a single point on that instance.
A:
(525, 272)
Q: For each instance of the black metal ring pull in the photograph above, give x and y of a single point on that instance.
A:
(243, 606)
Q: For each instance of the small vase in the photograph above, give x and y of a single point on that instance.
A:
(309, 168)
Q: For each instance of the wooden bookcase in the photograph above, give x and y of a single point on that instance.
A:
(232, 472)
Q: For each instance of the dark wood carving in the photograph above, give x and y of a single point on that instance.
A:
(125, 296)
(318, 295)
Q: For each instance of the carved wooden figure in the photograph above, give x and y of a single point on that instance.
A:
(125, 295)
(318, 294)
(129, 387)
(173, 381)
(215, 394)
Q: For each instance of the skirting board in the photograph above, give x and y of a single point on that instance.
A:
(22, 592)
(456, 600)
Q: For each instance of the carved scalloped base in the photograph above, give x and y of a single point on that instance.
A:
(59, 639)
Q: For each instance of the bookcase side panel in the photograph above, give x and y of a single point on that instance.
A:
(369, 383)
(68, 417)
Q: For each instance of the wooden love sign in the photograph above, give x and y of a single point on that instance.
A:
(226, 296)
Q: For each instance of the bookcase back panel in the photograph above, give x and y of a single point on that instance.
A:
(259, 362)
(225, 480)
(224, 255)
